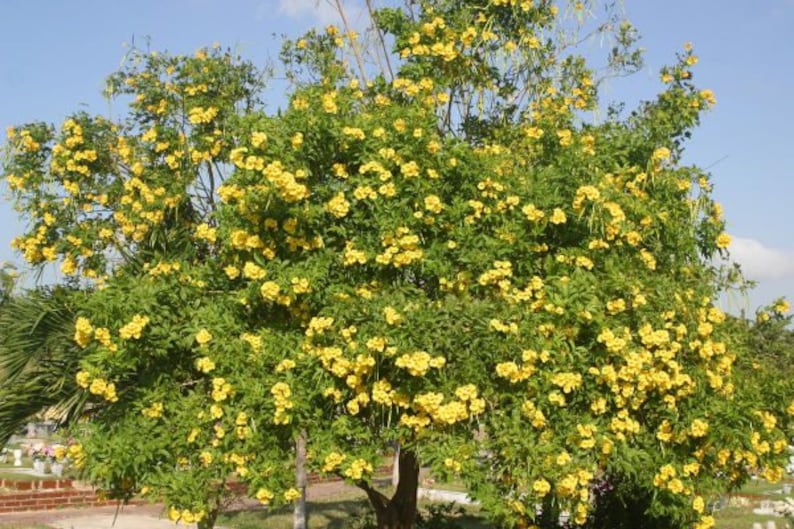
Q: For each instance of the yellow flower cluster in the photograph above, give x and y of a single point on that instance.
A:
(270, 290)
(199, 115)
(291, 494)
(723, 240)
(392, 316)
(163, 268)
(319, 325)
(221, 389)
(133, 329)
(83, 331)
(203, 337)
(401, 249)
(205, 232)
(567, 381)
(419, 363)
(154, 411)
(517, 373)
(332, 461)
(281, 395)
(430, 406)
(205, 364)
(97, 386)
(357, 469)
(264, 496)
(338, 206)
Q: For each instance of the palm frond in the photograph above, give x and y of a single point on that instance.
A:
(38, 358)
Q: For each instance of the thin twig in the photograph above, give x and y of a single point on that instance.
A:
(353, 46)
(380, 38)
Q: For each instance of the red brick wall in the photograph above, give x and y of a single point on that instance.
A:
(49, 499)
(45, 494)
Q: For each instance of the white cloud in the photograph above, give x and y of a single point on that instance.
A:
(761, 262)
(320, 12)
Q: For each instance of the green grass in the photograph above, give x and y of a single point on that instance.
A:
(19, 476)
(452, 485)
(743, 518)
(770, 491)
(9, 465)
(347, 511)
(330, 514)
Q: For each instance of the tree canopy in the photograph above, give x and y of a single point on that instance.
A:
(462, 257)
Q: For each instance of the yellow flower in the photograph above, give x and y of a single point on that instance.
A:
(291, 494)
(392, 316)
(532, 213)
(98, 386)
(433, 204)
(705, 522)
(357, 469)
(258, 139)
(660, 154)
(154, 411)
(699, 428)
(452, 464)
(410, 169)
(285, 365)
(297, 140)
(338, 206)
(83, 331)
(199, 115)
(264, 495)
(83, 378)
(205, 364)
(203, 337)
(708, 96)
(329, 103)
(541, 487)
(558, 216)
(698, 504)
(133, 330)
(220, 389)
(332, 461)
(270, 290)
(723, 240)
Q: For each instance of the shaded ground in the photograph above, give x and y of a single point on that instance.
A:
(138, 516)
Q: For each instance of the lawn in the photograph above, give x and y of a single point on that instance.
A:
(352, 511)
(739, 513)
(18, 476)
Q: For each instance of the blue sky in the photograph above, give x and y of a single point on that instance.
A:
(57, 54)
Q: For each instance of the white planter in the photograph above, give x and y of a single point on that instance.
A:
(17, 457)
(57, 469)
(38, 466)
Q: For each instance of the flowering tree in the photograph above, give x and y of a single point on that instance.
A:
(451, 258)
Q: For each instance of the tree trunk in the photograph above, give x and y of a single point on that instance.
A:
(299, 512)
(399, 511)
(208, 522)
(395, 467)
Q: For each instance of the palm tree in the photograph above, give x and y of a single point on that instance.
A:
(38, 358)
